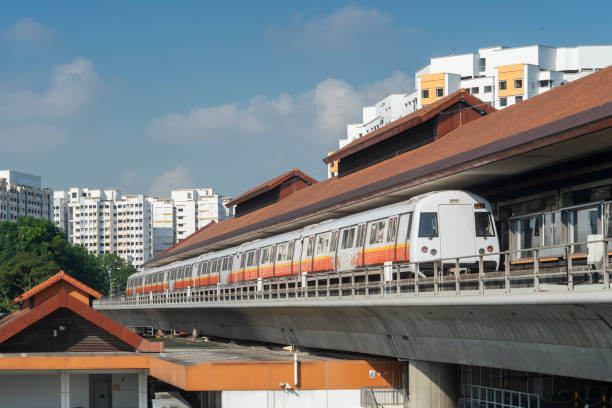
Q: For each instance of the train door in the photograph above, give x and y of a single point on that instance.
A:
(296, 256)
(171, 276)
(322, 259)
(346, 254)
(456, 232)
(224, 269)
(402, 245)
(360, 245)
(375, 251)
(391, 238)
(193, 274)
(282, 262)
(307, 254)
(333, 248)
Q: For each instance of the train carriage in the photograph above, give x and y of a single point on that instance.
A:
(434, 227)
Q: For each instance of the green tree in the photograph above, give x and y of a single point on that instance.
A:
(32, 250)
(118, 269)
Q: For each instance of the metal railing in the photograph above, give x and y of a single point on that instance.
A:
(448, 276)
(374, 397)
(476, 396)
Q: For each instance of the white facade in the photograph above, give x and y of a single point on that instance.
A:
(542, 68)
(195, 208)
(21, 195)
(104, 221)
(536, 68)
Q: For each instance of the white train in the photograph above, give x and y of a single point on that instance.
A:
(429, 227)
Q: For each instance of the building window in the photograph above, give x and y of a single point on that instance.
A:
(546, 83)
(439, 92)
(474, 90)
(425, 93)
(487, 89)
(518, 98)
(518, 83)
(502, 85)
(483, 64)
(503, 102)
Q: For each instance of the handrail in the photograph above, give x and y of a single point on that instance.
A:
(448, 276)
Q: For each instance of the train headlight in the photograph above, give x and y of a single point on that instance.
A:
(481, 251)
(433, 251)
(490, 248)
(424, 250)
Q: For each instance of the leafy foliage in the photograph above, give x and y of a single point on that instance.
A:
(32, 250)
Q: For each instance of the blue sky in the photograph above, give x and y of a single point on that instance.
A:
(149, 96)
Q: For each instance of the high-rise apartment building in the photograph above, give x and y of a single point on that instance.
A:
(164, 231)
(196, 208)
(500, 76)
(105, 221)
(21, 195)
(136, 227)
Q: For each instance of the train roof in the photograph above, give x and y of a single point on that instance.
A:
(562, 114)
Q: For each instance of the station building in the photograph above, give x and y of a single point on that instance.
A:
(545, 166)
(21, 195)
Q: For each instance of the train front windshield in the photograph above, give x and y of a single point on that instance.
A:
(484, 224)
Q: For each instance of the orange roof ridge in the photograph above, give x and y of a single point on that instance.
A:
(61, 275)
(409, 121)
(270, 184)
(21, 319)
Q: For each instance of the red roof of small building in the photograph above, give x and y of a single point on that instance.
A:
(270, 184)
(61, 275)
(409, 121)
(566, 110)
(63, 298)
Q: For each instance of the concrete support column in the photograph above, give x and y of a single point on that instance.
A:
(64, 389)
(142, 389)
(432, 385)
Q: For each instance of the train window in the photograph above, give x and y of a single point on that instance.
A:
(334, 241)
(377, 232)
(310, 249)
(360, 236)
(215, 266)
(348, 236)
(281, 252)
(230, 263)
(322, 243)
(224, 267)
(290, 250)
(484, 224)
(250, 258)
(428, 225)
(242, 260)
(409, 226)
(392, 229)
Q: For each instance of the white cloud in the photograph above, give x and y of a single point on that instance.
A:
(318, 116)
(346, 29)
(39, 118)
(29, 32)
(175, 179)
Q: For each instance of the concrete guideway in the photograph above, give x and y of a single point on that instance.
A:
(568, 334)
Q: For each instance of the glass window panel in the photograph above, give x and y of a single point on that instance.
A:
(428, 225)
(484, 224)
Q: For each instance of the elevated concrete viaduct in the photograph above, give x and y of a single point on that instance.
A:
(560, 333)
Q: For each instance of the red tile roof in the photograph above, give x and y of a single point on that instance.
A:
(409, 121)
(558, 111)
(21, 319)
(270, 184)
(61, 275)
